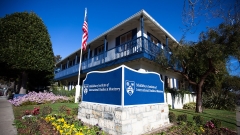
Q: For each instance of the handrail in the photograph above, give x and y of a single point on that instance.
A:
(128, 48)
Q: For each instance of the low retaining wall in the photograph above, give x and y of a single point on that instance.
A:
(127, 120)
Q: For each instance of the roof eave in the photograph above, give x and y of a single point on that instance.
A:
(142, 12)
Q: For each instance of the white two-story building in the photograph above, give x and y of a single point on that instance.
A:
(134, 42)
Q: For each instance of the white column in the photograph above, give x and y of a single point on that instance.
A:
(170, 83)
(175, 84)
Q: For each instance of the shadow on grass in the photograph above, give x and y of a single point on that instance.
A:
(210, 115)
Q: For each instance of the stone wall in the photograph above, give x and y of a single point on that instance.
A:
(127, 120)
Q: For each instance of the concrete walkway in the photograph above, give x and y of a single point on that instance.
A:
(6, 117)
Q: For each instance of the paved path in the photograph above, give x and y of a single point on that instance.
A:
(6, 118)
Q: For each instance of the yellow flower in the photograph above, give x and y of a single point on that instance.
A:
(201, 128)
(58, 127)
(47, 119)
(79, 133)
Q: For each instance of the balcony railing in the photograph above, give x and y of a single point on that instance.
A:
(132, 47)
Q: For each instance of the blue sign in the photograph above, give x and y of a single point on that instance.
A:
(123, 86)
(142, 88)
(103, 87)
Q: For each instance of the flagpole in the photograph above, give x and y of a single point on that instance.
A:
(80, 64)
(77, 93)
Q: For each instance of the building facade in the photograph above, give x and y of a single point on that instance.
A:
(135, 42)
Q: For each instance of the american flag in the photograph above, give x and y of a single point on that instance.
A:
(85, 32)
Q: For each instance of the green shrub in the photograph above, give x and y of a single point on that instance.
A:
(190, 105)
(222, 100)
(32, 125)
(62, 109)
(75, 111)
(172, 117)
(29, 103)
(71, 99)
(185, 128)
(190, 123)
(217, 123)
(169, 107)
(182, 117)
(198, 119)
(45, 111)
(62, 92)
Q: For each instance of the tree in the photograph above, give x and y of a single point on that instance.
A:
(196, 61)
(231, 83)
(195, 11)
(224, 95)
(25, 47)
(58, 58)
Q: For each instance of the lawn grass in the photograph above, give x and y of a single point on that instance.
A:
(228, 118)
(19, 110)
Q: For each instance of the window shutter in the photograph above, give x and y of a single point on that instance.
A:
(118, 41)
(90, 56)
(148, 36)
(95, 51)
(134, 33)
(73, 62)
(166, 82)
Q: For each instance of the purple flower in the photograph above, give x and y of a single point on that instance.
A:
(38, 98)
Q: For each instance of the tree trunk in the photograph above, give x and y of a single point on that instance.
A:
(23, 89)
(199, 99)
(19, 84)
(15, 87)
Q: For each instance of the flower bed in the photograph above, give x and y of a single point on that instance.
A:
(38, 98)
(41, 120)
(67, 126)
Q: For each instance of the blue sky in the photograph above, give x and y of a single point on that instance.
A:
(64, 18)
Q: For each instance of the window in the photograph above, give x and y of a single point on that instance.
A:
(126, 37)
(90, 56)
(78, 59)
(85, 56)
(70, 63)
(100, 49)
(153, 39)
(64, 66)
(73, 62)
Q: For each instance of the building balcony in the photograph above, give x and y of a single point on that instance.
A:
(134, 49)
